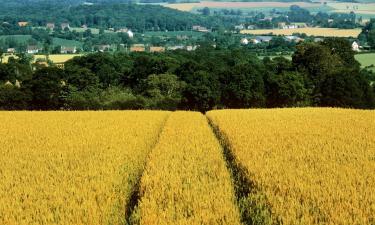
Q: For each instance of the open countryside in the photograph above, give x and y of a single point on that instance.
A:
(120, 112)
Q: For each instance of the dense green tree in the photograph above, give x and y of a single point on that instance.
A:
(347, 88)
(202, 91)
(13, 98)
(343, 49)
(46, 86)
(318, 63)
(243, 87)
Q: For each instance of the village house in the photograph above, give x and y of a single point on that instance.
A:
(293, 39)
(138, 48)
(244, 41)
(68, 50)
(11, 50)
(50, 26)
(176, 47)
(23, 24)
(65, 25)
(130, 34)
(157, 49)
(191, 48)
(103, 48)
(200, 29)
(84, 26)
(260, 39)
(239, 27)
(33, 49)
(355, 46)
(122, 30)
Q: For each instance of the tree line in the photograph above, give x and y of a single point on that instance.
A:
(139, 18)
(320, 74)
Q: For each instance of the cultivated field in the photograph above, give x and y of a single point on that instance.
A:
(258, 166)
(239, 5)
(55, 58)
(320, 32)
(307, 166)
(186, 180)
(72, 167)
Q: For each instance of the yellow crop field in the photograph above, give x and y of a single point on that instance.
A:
(186, 180)
(311, 166)
(72, 167)
(56, 58)
(316, 31)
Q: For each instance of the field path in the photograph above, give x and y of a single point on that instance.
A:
(186, 180)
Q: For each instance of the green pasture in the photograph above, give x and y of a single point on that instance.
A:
(366, 59)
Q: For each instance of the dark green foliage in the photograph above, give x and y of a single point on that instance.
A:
(46, 86)
(243, 87)
(13, 98)
(202, 91)
(323, 74)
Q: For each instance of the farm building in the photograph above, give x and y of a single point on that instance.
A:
(293, 39)
(65, 25)
(191, 48)
(11, 50)
(103, 48)
(200, 29)
(33, 49)
(50, 26)
(176, 47)
(244, 41)
(263, 38)
(355, 46)
(68, 50)
(130, 34)
(23, 24)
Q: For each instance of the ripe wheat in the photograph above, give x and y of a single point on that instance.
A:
(72, 167)
(314, 166)
(186, 180)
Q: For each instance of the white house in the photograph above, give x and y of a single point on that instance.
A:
(68, 50)
(32, 49)
(130, 34)
(11, 50)
(244, 41)
(355, 46)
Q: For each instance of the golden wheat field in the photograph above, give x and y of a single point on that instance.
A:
(316, 31)
(72, 167)
(256, 166)
(55, 58)
(186, 180)
(309, 166)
